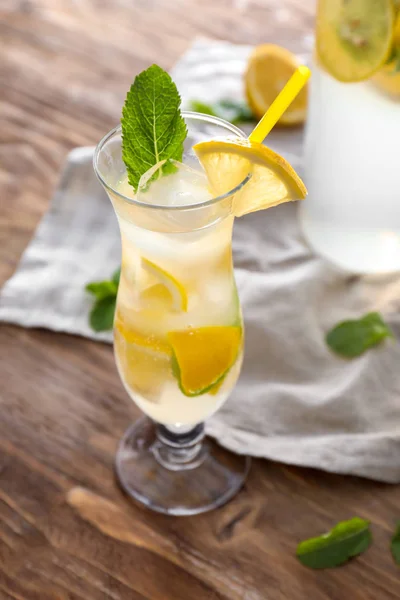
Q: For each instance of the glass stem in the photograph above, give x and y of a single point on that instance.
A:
(177, 451)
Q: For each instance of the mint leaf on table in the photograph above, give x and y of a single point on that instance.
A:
(395, 544)
(101, 316)
(353, 337)
(230, 110)
(346, 540)
(153, 128)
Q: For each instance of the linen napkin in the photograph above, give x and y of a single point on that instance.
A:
(295, 401)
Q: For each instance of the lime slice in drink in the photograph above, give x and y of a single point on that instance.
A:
(203, 356)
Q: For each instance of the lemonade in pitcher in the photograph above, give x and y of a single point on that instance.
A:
(352, 214)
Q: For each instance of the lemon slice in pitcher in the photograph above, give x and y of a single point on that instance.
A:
(354, 37)
(203, 356)
(388, 78)
(271, 178)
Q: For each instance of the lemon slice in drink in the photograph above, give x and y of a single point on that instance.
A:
(145, 360)
(132, 336)
(144, 370)
(165, 287)
(203, 356)
(272, 180)
(268, 70)
(354, 37)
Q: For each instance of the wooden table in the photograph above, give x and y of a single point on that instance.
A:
(66, 530)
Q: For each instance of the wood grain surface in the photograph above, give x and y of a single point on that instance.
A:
(66, 530)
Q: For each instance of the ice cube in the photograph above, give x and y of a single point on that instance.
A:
(172, 183)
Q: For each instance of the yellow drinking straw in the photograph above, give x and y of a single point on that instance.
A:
(280, 104)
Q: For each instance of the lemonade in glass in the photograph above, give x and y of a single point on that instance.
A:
(178, 329)
(177, 299)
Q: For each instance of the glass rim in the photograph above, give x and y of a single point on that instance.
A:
(185, 114)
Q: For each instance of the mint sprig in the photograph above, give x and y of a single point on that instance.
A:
(353, 337)
(346, 540)
(101, 316)
(153, 128)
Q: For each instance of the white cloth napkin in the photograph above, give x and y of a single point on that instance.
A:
(295, 401)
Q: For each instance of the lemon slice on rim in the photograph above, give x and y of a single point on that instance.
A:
(203, 356)
(354, 38)
(268, 70)
(272, 179)
(165, 287)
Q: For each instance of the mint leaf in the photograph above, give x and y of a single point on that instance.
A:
(102, 289)
(230, 110)
(202, 107)
(346, 540)
(395, 544)
(153, 128)
(235, 112)
(352, 338)
(102, 314)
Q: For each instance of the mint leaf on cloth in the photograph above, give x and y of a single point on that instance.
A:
(395, 544)
(153, 128)
(102, 314)
(102, 289)
(352, 338)
(346, 540)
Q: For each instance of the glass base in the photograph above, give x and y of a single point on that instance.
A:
(181, 475)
